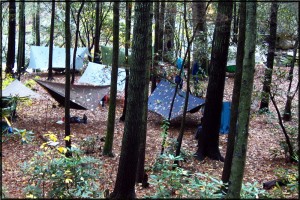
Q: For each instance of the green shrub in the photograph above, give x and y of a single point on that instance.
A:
(6, 81)
(53, 175)
(30, 83)
(174, 182)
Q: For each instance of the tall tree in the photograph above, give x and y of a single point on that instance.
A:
(200, 42)
(264, 104)
(21, 42)
(169, 31)
(141, 176)
(161, 29)
(67, 87)
(182, 126)
(1, 19)
(208, 143)
(50, 75)
(10, 60)
(76, 42)
(287, 115)
(37, 24)
(235, 93)
(240, 148)
(107, 150)
(97, 33)
(125, 182)
(127, 46)
(156, 46)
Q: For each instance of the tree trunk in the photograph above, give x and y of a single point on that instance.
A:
(127, 46)
(169, 32)
(67, 87)
(97, 34)
(50, 75)
(107, 150)
(235, 23)
(235, 93)
(200, 43)
(21, 43)
(76, 42)
(264, 104)
(156, 46)
(125, 182)
(287, 115)
(240, 148)
(161, 30)
(37, 24)
(208, 144)
(182, 126)
(10, 61)
(1, 25)
(141, 176)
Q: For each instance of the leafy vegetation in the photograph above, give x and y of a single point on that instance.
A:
(53, 175)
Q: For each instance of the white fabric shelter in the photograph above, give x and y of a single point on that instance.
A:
(16, 88)
(97, 74)
(39, 57)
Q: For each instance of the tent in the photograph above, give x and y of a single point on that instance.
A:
(82, 97)
(107, 56)
(97, 74)
(16, 88)
(39, 57)
(161, 98)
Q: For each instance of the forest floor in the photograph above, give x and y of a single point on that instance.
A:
(264, 154)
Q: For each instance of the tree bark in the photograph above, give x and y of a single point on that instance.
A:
(1, 20)
(208, 143)
(156, 46)
(21, 42)
(126, 176)
(97, 34)
(287, 115)
(37, 24)
(127, 46)
(107, 150)
(10, 61)
(76, 42)
(182, 126)
(67, 87)
(235, 93)
(240, 148)
(141, 176)
(264, 104)
(200, 43)
(169, 31)
(50, 75)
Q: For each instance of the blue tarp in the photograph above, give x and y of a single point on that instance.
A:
(225, 118)
(161, 98)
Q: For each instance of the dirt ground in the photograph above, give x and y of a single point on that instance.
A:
(42, 115)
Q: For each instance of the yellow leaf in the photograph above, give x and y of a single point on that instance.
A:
(68, 180)
(43, 145)
(30, 196)
(67, 138)
(62, 149)
(53, 137)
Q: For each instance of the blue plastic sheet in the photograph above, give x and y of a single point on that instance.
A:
(179, 63)
(160, 100)
(225, 118)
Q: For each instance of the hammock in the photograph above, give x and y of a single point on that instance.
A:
(82, 97)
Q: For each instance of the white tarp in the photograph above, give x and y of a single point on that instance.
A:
(97, 74)
(16, 88)
(39, 57)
